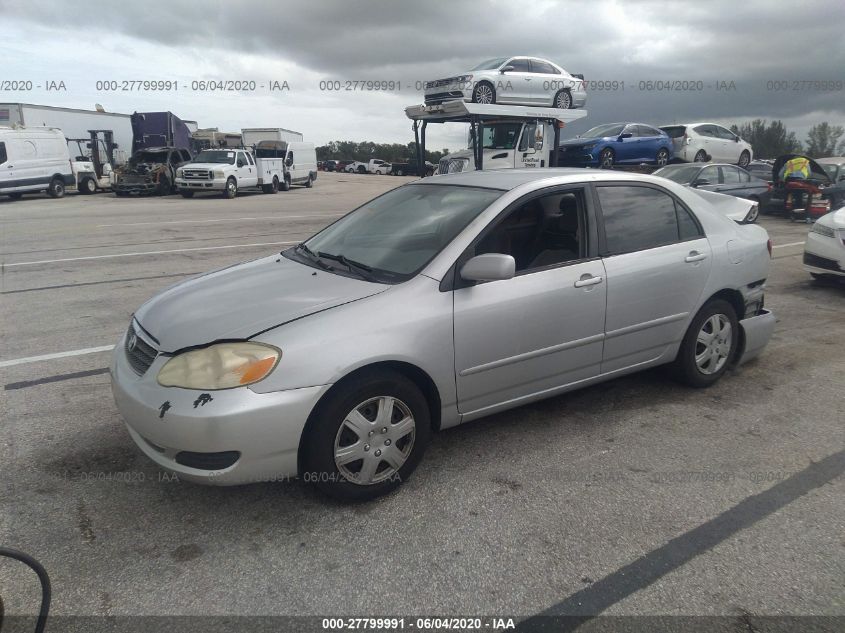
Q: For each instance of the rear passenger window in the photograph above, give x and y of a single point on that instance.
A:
(3, 156)
(637, 218)
(688, 228)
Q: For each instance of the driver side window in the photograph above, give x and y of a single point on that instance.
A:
(544, 231)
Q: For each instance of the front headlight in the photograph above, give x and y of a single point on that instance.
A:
(220, 366)
(219, 174)
(178, 173)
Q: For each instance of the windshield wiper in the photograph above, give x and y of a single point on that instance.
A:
(312, 256)
(363, 270)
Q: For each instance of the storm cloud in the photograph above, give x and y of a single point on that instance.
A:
(740, 47)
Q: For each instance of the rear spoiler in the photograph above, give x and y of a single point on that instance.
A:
(578, 76)
(737, 209)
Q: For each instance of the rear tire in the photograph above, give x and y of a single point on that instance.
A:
(331, 431)
(744, 159)
(563, 100)
(700, 156)
(56, 188)
(708, 346)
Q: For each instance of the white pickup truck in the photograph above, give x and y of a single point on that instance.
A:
(375, 166)
(224, 171)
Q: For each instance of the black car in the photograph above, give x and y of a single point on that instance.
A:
(410, 169)
(760, 169)
(720, 177)
(330, 165)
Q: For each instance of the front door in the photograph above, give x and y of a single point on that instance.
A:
(517, 85)
(543, 328)
(657, 261)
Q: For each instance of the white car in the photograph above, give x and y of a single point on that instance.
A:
(704, 142)
(824, 250)
(527, 81)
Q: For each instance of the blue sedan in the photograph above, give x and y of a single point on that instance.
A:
(617, 143)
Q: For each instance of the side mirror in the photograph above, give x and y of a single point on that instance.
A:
(700, 182)
(506, 69)
(489, 267)
(288, 162)
(625, 135)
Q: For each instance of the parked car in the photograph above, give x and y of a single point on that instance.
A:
(835, 168)
(436, 303)
(617, 143)
(760, 169)
(341, 165)
(411, 168)
(721, 178)
(33, 160)
(355, 167)
(378, 166)
(703, 142)
(824, 250)
(330, 165)
(800, 196)
(151, 170)
(511, 80)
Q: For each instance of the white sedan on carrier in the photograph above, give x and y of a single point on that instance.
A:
(824, 251)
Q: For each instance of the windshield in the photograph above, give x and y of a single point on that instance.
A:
(500, 135)
(207, 156)
(491, 64)
(682, 174)
(399, 232)
(831, 171)
(149, 157)
(600, 131)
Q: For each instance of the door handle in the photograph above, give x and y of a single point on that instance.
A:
(588, 280)
(9, 166)
(695, 256)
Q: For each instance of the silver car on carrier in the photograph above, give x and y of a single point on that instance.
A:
(437, 303)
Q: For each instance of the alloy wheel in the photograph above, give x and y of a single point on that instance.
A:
(483, 94)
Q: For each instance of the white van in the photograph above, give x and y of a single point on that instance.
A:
(300, 165)
(34, 159)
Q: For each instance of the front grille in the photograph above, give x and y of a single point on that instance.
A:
(196, 174)
(207, 461)
(440, 97)
(139, 353)
(821, 262)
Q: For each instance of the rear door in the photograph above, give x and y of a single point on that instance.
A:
(657, 262)
(547, 81)
(544, 327)
(651, 140)
(729, 147)
(7, 168)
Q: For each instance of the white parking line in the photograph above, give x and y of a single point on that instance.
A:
(138, 254)
(788, 245)
(263, 217)
(75, 352)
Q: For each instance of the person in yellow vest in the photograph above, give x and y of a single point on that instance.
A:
(797, 167)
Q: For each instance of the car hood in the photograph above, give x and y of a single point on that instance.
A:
(816, 170)
(578, 142)
(209, 166)
(238, 302)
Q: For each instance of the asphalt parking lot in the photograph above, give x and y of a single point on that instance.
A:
(635, 497)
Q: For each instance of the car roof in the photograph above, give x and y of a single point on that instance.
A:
(507, 179)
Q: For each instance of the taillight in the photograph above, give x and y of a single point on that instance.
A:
(687, 140)
(769, 185)
(769, 247)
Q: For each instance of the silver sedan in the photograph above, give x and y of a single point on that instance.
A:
(437, 303)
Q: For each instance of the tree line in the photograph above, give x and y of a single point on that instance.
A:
(772, 139)
(366, 150)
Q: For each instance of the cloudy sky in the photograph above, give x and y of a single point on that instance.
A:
(749, 43)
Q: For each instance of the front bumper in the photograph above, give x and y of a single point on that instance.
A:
(449, 92)
(756, 332)
(200, 185)
(825, 255)
(136, 187)
(224, 437)
(576, 157)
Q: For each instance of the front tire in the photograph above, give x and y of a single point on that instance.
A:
(662, 158)
(708, 346)
(231, 190)
(88, 186)
(367, 437)
(164, 187)
(606, 158)
(484, 93)
(56, 188)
